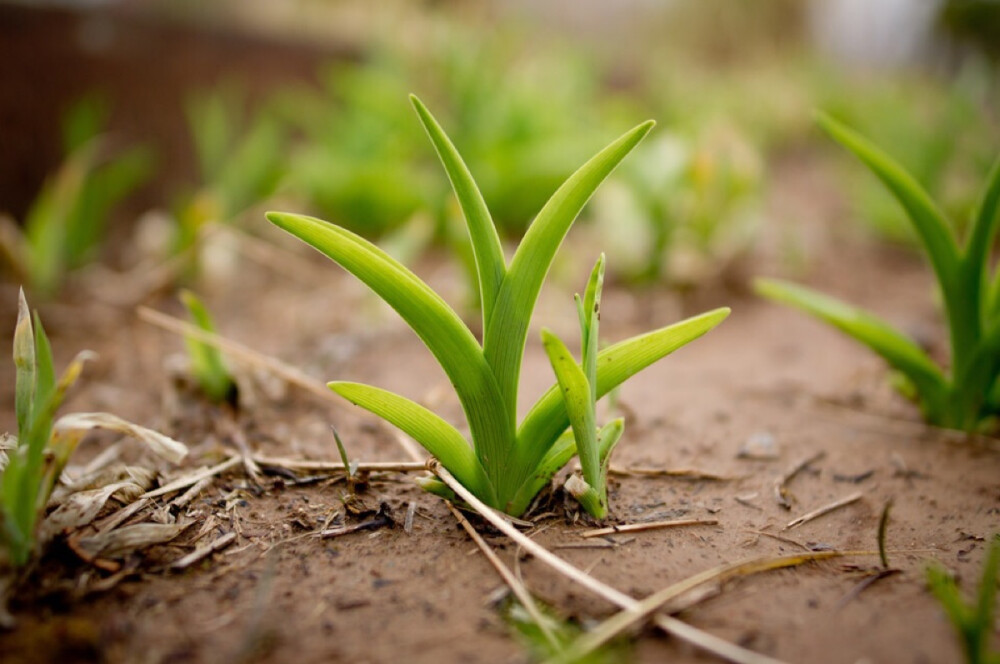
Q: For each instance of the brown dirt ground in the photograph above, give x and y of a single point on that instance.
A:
(386, 595)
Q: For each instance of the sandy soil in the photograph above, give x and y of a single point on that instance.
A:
(279, 594)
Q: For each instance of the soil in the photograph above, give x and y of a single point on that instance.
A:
(767, 374)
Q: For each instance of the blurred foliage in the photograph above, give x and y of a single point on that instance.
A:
(240, 159)
(942, 132)
(66, 224)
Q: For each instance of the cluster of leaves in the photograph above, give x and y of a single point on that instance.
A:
(67, 222)
(968, 396)
(506, 464)
(973, 621)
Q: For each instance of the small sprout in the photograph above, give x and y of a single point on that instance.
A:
(579, 389)
(207, 366)
(44, 444)
(506, 465)
(966, 397)
(973, 621)
(350, 467)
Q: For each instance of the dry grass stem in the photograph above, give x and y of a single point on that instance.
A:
(599, 588)
(203, 551)
(815, 514)
(194, 478)
(515, 584)
(780, 485)
(652, 525)
(682, 473)
(371, 466)
(633, 611)
(241, 353)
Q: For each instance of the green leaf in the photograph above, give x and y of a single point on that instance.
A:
(507, 328)
(899, 351)
(45, 373)
(558, 455)
(984, 224)
(435, 434)
(576, 393)
(615, 364)
(590, 324)
(441, 330)
(207, 365)
(929, 222)
(486, 245)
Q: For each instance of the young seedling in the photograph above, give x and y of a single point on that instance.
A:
(973, 621)
(33, 466)
(578, 383)
(207, 366)
(45, 444)
(507, 463)
(968, 396)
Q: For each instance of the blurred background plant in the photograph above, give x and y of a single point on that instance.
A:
(307, 109)
(67, 222)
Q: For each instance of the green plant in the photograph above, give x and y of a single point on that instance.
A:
(973, 621)
(968, 396)
(44, 444)
(207, 366)
(67, 221)
(239, 159)
(33, 466)
(578, 383)
(505, 461)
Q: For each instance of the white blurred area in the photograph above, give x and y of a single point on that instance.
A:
(879, 33)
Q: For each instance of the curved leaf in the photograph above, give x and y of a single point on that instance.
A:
(485, 242)
(898, 350)
(929, 222)
(578, 403)
(435, 434)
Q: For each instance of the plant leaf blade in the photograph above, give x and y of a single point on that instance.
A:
(436, 435)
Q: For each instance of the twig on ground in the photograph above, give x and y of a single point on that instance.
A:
(780, 485)
(815, 514)
(652, 525)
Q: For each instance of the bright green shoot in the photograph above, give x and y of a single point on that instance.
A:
(967, 397)
(33, 467)
(207, 366)
(506, 463)
(578, 383)
(973, 621)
